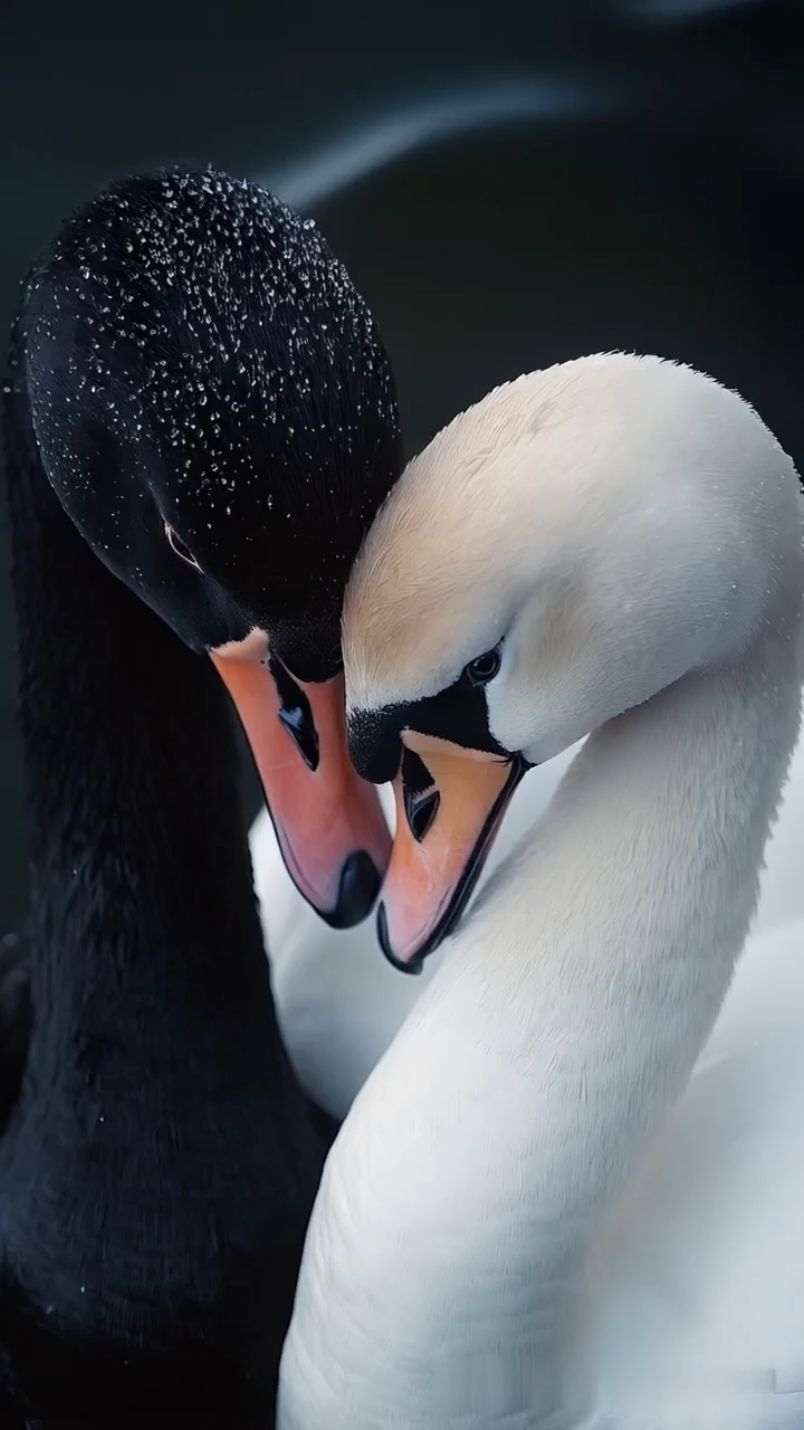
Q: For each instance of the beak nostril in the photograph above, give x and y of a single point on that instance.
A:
(421, 795)
(421, 810)
(302, 731)
(295, 714)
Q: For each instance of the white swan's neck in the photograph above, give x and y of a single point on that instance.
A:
(460, 1199)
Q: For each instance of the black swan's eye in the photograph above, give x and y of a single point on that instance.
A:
(179, 547)
(483, 668)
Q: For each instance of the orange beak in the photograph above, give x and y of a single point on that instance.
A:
(328, 821)
(444, 831)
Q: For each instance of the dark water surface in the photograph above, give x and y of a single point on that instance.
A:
(509, 184)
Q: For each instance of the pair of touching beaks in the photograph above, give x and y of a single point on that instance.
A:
(328, 820)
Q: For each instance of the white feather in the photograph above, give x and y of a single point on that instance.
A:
(567, 1195)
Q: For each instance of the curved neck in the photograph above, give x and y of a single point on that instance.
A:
(154, 1023)
(161, 1154)
(565, 1020)
(140, 874)
(601, 956)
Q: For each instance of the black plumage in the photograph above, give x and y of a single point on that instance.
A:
(189, 353)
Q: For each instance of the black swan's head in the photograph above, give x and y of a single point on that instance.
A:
(215, 410)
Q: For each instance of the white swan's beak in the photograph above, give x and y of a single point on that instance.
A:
(328, 821)
(445, 827)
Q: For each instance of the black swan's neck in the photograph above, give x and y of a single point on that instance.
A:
(159, 1168)
(142, 902)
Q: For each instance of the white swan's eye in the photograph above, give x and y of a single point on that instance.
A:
(179, 547)
(483, 668)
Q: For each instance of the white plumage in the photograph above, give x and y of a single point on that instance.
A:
(534, 1216)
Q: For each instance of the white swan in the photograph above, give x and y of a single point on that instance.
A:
(513, 1228)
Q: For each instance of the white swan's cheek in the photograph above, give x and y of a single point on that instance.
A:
(568, 669)
(535, 729)
(542, 712)
(556, 680)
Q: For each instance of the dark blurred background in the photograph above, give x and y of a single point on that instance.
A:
(510, 184)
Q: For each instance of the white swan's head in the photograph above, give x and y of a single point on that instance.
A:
(560, 553)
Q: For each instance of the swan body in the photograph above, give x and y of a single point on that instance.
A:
(630, 536)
